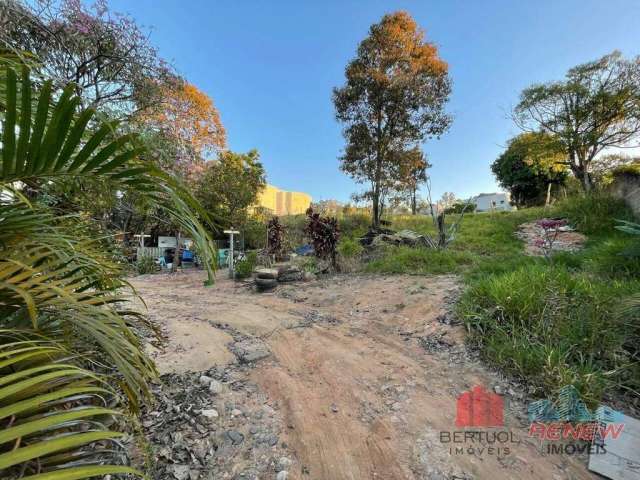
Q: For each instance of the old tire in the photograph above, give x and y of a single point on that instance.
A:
(266, 283)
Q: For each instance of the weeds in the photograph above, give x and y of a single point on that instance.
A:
(551, 326)
(146, 264)
(244, 268)
(594, 213)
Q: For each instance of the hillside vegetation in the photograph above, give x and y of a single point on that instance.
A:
(551, 322)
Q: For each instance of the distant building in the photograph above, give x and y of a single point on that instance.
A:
(280, 202)
(491, 202)
(328, 206)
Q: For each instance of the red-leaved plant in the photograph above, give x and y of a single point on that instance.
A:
(324, 235)
(550, 228)
(275, 237)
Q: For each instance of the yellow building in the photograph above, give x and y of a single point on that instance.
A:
(280, 202)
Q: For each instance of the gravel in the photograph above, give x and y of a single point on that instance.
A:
(195, 433)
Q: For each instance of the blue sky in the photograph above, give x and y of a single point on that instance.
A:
(270, 66)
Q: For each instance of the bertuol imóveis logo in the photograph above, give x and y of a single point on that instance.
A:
(479, 418)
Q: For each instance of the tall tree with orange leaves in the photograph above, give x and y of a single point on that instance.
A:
(393, 99)
(189, 128)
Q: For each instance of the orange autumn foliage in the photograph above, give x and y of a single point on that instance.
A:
(402, 49)
(189, 116)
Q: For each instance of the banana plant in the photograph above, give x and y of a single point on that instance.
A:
(68, 341)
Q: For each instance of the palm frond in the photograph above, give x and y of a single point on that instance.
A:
(52, 412)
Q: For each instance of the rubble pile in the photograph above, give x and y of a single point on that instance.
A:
(378, 237)
(532, 234)
(214, 424)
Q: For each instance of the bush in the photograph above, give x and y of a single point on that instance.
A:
(255, 234)
(275, 237)
(593, 213)
(349, 255)
(459, 207)
(354, 225)
(349, 248)
(552, 327)
(324, 235)
(244, 268)
(146, 264)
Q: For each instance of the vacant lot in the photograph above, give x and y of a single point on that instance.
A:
(348, 377)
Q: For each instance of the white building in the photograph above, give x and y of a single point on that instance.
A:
(491, 202)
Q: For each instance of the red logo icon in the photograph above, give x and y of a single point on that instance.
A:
(479, 408)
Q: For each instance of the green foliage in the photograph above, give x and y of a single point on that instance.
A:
(553, 327)
(549, 323)
(50, 407)
(230, 185)
(255, 234)
(628, 227)
(592, 213)
(349, 248)
(425, 261)
(595, 107)
(244, 268)
(632, 169)
(354, 225)
(529, 164)
(146, 264)
(63, 299)
(459, 207)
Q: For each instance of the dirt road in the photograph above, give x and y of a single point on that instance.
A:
(362, 372)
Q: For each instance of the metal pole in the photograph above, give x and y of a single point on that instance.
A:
(231, 233)
(231, 272)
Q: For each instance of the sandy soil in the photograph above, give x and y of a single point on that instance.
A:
(365, 372)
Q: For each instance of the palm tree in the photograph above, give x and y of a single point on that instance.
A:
(69, 348)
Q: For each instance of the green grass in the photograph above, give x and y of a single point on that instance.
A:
(552, 326)
(551, 323)
(419, 261)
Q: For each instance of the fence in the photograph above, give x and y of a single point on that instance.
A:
(154, 252)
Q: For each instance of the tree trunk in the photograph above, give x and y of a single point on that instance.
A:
(414, 207)
(548, 199)
(442, 236)
(375, 214)
(177, 257)
(579, 169)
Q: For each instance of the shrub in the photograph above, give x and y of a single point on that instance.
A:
(146, 264)
(275, 237)
(349, 255)
(593, 213)
(459, 207)
(354, 225)
(255, 234)
(244, 268)
(552, 327)
(349, 248)
(324, 235)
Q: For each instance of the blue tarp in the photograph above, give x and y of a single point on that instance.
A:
(305, 250)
